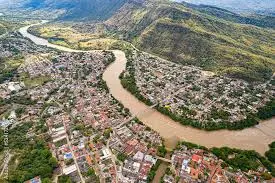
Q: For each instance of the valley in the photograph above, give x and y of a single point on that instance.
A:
(258, 138)
(136, 91)
(178, 34)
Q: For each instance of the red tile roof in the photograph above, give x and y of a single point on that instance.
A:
(196, 158)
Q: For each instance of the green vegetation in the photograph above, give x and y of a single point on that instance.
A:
(243, 159)
(272, 145)
(268, 111)
(219, 114)
(121, 157)
(161, 151)
(92, 176)
(24, 100)
(129, 83)
(197, 38)
(210, 49)
(270, 154)
(257, 20)
(19, 111)
(33, 156)
(110, 59)
(107, 133)
(152, 172)
(64, 179)
(8, 67)
(6, 26)
(102, 84)
(37, 81)
(17, 137)
(36, 161)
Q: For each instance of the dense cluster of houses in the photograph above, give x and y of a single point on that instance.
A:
(194, 93)
(138, 144)
(197, 165)
(81, 118)
(84, 121)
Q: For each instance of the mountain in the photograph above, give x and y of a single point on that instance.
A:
(258, 20)
(212, 38)
(256, 6)
(78, 9)
(188, 36)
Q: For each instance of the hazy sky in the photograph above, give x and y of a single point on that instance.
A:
(242, 4)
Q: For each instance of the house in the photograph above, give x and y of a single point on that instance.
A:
(197, 158)
(34, 180)
(15, 86)
(69, 169)
(68, 156)
(150, 159)
(105, 154)
(194, 173)
(144, 170)
(138, 156)
(89, 160)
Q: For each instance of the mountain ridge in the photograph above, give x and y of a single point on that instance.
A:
(79, 9)
(211, 38)
(265, 7)
(184, 35)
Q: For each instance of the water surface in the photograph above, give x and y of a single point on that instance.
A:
(254, 138)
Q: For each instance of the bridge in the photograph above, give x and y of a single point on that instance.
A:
(147, 110)
(164, 159)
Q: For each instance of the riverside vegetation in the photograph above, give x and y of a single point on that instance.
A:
(180, 33)
(205, 37)
(128, 81)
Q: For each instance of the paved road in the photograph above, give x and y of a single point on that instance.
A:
(249, 138)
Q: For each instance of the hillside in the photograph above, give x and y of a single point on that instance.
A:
(212, 38)
(252, 19)
(188, 36)
(78, 9)
(246, 6)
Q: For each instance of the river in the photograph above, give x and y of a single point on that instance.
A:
(254, 138)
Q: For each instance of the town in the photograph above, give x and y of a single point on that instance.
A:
(66, 98)
(189, 92)
(65, 125)
(191, 163)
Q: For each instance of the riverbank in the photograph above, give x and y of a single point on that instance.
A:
(250, 138)
(256, 138)
(128, 81)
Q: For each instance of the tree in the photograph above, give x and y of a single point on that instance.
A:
(271, 155)
(121, 157)
(272, 145)
(161, 151)
(91, 172)
(266, 176)
(107, 133)
(19, 111)
(46, 180)
(64, 179)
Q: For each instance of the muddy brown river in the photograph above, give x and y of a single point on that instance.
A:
(254, 138)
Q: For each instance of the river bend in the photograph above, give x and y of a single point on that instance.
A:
(254, 138)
